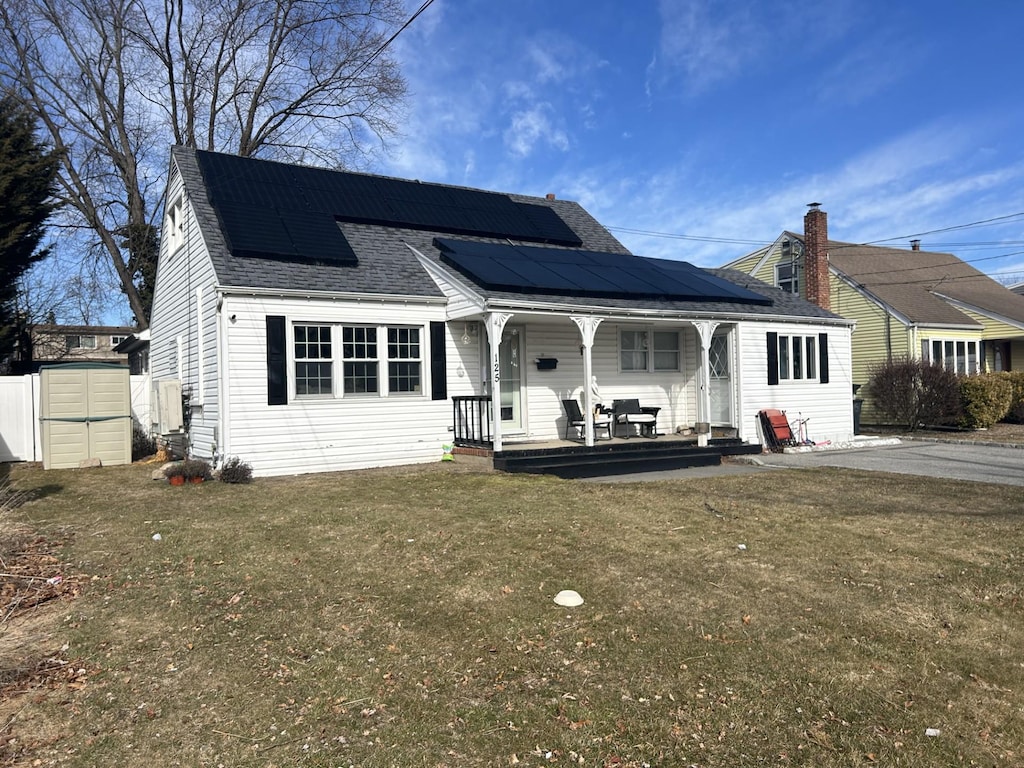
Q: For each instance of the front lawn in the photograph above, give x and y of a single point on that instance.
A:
(405, 618)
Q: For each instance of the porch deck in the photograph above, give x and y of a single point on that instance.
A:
(569, 459)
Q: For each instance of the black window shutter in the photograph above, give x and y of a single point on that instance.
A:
(438, 363)
(773, 357)
(823, 357)
(277, 361)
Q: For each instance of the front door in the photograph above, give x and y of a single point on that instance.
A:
(510, 382)
(721, 380)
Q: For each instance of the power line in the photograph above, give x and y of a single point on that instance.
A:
(765, 243)
(390, 40)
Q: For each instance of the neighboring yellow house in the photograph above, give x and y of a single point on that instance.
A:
(906, 302)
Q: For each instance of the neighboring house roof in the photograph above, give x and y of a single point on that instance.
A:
(916, 284)
(246, 209)
(1018, 288)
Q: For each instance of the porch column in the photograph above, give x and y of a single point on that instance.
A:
(588, 327)
(495, 324)
(705, 330)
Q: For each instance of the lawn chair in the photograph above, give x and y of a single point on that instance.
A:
(574, 420)
(775, 427)
(628, 414)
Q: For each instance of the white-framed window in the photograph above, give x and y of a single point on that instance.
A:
(788, 275)
(798, 358)
(115, 340)
(666, 350)
(314, 362)
(379, 360)
(633, 350)
(359, 359)
(174, 227)
(79, 341)
(648, 350)
(961, 356)
(405, 360)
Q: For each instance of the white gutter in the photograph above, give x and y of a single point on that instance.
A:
(360, 298)
(608, 313)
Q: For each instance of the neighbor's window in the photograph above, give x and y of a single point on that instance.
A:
(959, 356)
(115, 340)
(787, 276)
(314, 367)
(80, 342)
(359, 355)
(405, 363)
(798, 358)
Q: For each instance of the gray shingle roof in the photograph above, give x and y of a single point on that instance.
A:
(386, 266)
(914, 282)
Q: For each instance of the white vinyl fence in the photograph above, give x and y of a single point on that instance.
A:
(19, 414)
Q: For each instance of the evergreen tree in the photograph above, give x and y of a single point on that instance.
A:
(27, 187)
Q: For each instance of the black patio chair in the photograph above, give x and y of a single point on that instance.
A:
(628, 414)
(574, 420)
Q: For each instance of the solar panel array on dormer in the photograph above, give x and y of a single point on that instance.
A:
(274, 210)
(560, 271)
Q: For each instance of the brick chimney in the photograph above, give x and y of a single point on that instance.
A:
(816, 283)
(915, 245)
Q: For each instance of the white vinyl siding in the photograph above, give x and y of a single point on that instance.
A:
(827, 407)
(185, 308)
(322, 434)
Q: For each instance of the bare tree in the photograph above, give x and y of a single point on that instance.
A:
(115, 82)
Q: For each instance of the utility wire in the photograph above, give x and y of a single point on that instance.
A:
(390, 40)
(765, 243)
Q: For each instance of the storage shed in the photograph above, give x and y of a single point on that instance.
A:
(86, 413)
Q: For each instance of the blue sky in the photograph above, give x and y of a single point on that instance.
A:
(720, 121)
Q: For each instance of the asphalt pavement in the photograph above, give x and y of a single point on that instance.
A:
(956, 461)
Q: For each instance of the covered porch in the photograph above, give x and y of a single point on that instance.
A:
(684, 371)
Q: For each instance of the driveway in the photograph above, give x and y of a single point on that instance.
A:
(956, 461)
(983, 463)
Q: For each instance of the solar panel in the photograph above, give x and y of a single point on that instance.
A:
(536, 269)
(259, 193)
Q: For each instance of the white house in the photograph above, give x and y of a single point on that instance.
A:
(323, 320)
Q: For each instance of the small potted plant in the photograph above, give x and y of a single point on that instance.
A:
(175, 473)
(189, 470)
(196, 470)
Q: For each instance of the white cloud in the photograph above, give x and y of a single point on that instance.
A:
(533, 127)
(705, 43)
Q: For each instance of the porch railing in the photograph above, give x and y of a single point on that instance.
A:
(472, 420)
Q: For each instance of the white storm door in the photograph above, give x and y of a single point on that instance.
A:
(721, 380)
(510, 384)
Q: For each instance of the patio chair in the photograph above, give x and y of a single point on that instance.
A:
(574, 420)
(628, 414)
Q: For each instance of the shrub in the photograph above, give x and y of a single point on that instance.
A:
(189, 469)
(236, 471)
(1016, 379)
(912, 392)
(986, 399)
(143, 443)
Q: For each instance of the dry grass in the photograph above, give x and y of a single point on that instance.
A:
(405, 618)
